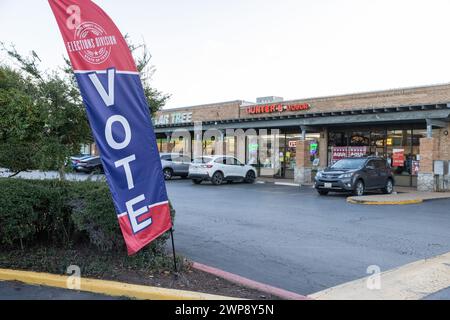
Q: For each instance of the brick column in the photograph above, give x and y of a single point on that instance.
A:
(303, 166)
(323, 148)
(425, 178)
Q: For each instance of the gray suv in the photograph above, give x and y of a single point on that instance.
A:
(356, 175)
(174, 164)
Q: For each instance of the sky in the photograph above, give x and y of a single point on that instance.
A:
(209, 51)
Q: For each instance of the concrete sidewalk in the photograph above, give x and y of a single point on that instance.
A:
(401, 196)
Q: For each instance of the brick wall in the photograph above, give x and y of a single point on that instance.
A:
(388, 98)
(427, 154)
(208, 112)
(302, 157)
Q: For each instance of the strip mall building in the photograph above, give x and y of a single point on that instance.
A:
(409, 127)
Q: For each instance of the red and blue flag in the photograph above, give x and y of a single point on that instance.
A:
(119, 116)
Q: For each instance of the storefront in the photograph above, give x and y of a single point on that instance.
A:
(293, 139)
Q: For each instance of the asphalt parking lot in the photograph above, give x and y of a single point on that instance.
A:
(294, 239)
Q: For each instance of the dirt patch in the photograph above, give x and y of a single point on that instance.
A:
(193, 280)
(148, 270)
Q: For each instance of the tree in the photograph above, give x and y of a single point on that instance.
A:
(155, 99)
(42, 119)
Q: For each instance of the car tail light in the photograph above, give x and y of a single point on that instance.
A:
(209, 166)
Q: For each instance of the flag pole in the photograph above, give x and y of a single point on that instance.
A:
(173, 250)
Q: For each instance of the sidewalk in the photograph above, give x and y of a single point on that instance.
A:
(280, 181)
(401, 196)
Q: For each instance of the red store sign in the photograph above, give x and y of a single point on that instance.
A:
(272, 108)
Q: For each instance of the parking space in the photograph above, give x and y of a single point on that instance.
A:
(293, 238)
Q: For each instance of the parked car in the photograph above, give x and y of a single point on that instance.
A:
(89, 165)
(75, 159)
(174, 165)
(220, 168)
(356, 175)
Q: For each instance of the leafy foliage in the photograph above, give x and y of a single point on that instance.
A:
(42, 117)
(61, 214)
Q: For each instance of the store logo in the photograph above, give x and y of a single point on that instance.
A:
(92, 43)
(278, 108)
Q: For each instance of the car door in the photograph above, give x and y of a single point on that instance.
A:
(177, 164)
(184, 166)
(220, 164)
(233, 167)
(383, 173)
(239, 168)
(371, 175)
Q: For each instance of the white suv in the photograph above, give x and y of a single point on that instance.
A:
(220, 168)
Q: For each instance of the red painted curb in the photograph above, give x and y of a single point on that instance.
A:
(284, 294)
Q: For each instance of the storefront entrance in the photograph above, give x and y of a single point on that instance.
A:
(399, 145)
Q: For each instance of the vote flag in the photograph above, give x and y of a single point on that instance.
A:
(119, 118)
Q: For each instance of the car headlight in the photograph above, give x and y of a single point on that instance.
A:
(319, 174)
(346, 175)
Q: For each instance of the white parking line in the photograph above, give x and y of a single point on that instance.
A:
(412, 281)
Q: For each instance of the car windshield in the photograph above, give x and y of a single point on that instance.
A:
(202, 160)
(349, 164)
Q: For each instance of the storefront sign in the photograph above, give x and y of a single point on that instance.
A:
(292, 143)
(273, 108)
(398, 158)
(339, 153)
(174, 118)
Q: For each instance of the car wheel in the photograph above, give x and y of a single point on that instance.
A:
(196, 181)
(167, 173)
(250, 177)
(322, 192)
(389, 188)
(217, 178)
(359, 188)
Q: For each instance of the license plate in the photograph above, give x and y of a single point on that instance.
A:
(328, 185)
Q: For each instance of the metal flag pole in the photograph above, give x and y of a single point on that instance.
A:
(173, 250)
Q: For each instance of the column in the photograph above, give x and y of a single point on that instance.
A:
(323, 149)
(425, 177)
(302, 174)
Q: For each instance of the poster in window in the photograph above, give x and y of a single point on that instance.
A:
(398, 158)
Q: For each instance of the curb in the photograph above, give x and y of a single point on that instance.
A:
(245, 282)
(392, 202)
(111, 288)
(288, 184)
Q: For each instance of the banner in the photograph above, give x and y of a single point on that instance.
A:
(398, 157)
(338, 153)
(119, 117)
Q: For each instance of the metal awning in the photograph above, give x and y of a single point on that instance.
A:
(397, 114)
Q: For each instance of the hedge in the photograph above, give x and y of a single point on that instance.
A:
(61, 214)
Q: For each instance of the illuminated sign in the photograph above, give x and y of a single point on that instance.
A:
(273, 108)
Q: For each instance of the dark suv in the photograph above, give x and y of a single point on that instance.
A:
(355, 175)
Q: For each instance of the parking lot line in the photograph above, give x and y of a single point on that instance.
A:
(413, 281)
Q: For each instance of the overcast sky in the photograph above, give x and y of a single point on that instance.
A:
(211, 51)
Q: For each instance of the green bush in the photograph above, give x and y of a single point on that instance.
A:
(61, 214)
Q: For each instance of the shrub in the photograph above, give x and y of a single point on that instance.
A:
(62, 214)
